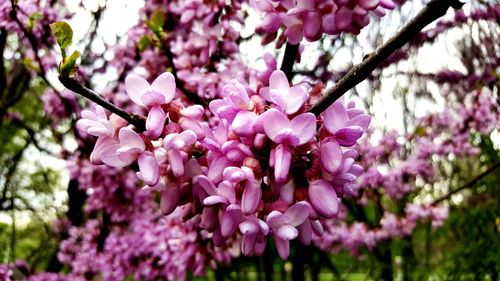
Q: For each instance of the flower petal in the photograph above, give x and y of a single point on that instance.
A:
(242, 124)
(149, 168)
(323, 198)
(304, 127)
(283, 157)
(130, 138)
(296, 97)
(251, 197)
(331, 156)
(298, 213)
(349, 135)
(155, 122)
(176, 163)
(275, 219)
(165, 85)
(169, 200)
(335, 117)
(282, 246)
(136, 87)
(274, 122)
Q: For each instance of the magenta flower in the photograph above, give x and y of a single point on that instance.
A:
(287, 134)
(175, 144)
(131, 147)
(95, 123)
(346, 130)
(283, 226)
(153, 96)
(288, 99)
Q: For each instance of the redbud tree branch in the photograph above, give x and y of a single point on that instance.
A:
(72, 84)
(468, 184)
(432, 11)
(289, 59)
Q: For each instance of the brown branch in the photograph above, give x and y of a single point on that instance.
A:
(3, 77)
(72, 84)
(289, 59)
(193, 97)
(432, 11)
(468, 184)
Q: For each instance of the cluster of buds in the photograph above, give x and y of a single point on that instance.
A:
(255, 165)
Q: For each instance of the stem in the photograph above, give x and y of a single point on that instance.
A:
(432, 11)
(289, 59)
(469, 184)
(137, 120)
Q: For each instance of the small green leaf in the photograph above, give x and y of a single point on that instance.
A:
(33, 19)
(158, 19)
(144, 43)
(63, 33)
(28, 63)
(68, 66)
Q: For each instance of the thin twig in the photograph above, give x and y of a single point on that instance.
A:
(468, 184)
(432, 11)
(73, 85)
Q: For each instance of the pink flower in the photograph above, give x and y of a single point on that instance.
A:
(95, 123)
(288, 99)
(131, 147)
(160, 92)
(346, 130)
(287, 134)
(283, 226)
(175, 144)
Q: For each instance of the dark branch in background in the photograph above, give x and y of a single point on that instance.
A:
(432, 11)
(193, 97)
(32, 40)
(88, 48)
(289, 59)
(467, 185)
(3, 77)
(137, 120)
(14, 163)
(35, 48)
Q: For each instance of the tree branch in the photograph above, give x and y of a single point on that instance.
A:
(193, 97)
(289, 59)
(468, 184)
(72, 84)
(3, 77)
(432, 11)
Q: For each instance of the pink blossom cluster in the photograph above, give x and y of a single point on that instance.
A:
(395, 173)
(238, 169)
(20, 270)
(34, 16)
(150, 247)
(354, 237)
(309, 19)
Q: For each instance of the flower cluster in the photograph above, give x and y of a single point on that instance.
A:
(309, 19)
(255, 165)
(341, 236)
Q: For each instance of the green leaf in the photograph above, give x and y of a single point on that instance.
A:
(63, 33)
(144, 43)
(68, 66)
(33, 19)
(158, 19)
